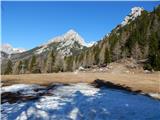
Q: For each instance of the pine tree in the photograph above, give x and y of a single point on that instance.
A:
(154, 52)
(58, 64)
(32, 63)
(25, 63)
(102, 54)
(136, 51)
(96, 54)
(116, 52)
(17, 67)
(50, 62)
(107, 57)
(8, 69)
(69, 63)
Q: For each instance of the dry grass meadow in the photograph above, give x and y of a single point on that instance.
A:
(147, 83)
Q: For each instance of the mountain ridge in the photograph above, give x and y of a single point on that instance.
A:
(138, 39)
(71, 33)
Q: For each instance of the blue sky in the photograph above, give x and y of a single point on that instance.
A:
(28, 24)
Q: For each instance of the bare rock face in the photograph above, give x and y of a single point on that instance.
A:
(64, 43)
(135, 12)
(71, 35)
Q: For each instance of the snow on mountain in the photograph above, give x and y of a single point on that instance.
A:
(7, 48)
(69, 38)
(135, 12)
(90, 44)
(71, 35)
(66, 42)
(42, 49)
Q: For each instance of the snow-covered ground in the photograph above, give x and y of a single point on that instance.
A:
(23, 88)
(79, 102)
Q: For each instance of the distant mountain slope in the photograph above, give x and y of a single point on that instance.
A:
(67, 44)
(138, 37)
(71, 43)
(7, 48)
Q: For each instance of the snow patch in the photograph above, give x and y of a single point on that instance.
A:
(42, 49)
(81, 68)
(73, 113)
(155, 95)
(84, 88)
(82, 101)
(24, 88)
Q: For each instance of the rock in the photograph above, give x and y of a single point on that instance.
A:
(146, 71)
(81, 68)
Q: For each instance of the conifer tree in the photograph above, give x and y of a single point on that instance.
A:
(68, 63)
(107, 57)
(58, 64)
(50, 62)
(8, 69)
(32, 63)
(154, 52)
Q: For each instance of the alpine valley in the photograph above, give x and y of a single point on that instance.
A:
(137, 37)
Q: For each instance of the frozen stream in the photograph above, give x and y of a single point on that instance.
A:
(79, 102)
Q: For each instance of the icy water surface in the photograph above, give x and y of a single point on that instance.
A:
(80, 102)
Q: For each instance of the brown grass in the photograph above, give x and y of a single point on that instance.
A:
(148, 83)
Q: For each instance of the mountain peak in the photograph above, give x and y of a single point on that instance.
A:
(71, 31)
(65, 42)
(70, 35)
(135, 12)
(73, 35)
(7, 48)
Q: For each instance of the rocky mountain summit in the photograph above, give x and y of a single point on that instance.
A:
(71, 35)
